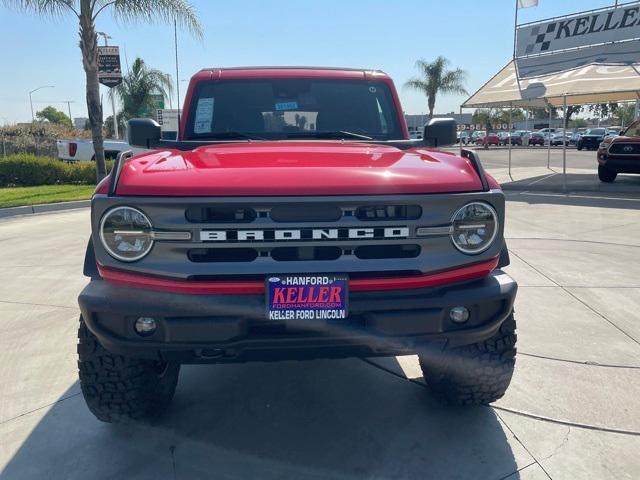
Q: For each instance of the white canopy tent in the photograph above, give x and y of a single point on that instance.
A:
(583, 85)
(589, 84)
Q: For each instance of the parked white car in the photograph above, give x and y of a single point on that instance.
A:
(82, 149)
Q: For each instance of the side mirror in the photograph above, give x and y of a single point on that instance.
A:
(143, 132)
(440, 132)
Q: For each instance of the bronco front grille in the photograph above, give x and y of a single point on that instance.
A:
(259, 236)
(299, 254)
(300, 213)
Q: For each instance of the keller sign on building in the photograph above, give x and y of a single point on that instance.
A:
(109, 71)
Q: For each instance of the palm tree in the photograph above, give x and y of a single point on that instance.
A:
(138, 87)
(435, 78)
(86, 12)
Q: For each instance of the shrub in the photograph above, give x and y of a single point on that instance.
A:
(25, 170)
(37, 138)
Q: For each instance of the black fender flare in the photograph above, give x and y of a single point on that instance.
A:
(504, 259)
(90, 268)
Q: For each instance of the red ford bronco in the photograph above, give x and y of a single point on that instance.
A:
(293, 218)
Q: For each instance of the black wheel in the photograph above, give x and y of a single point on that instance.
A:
(475, 374)
(120, 389)
(606, 174)
(579, 147)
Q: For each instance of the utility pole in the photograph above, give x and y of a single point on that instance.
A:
(106, 38)
(69, 102)
(33, 118)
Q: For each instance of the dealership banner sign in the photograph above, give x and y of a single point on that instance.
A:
(609, 36)
(614, 24)
(109, 71)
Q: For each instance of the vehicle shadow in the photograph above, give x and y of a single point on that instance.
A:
(315, 419)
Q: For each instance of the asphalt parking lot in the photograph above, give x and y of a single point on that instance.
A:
(572, 411)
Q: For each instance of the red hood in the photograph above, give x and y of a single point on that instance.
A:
(296, 168)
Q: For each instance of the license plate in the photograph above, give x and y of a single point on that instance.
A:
(307, 297)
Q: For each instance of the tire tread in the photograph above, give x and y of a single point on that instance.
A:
(120, 389)
(475, 374)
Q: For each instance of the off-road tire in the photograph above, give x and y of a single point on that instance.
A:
(121, 389)
(475, 374)
(606, 175)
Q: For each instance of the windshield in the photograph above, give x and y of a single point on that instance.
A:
(596, 131)
(277, 109)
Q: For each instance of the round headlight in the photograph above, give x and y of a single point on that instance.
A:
(474, 227)
(126, 233)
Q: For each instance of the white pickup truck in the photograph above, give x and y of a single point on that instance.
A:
(82, 149)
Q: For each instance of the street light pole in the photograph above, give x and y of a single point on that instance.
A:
(33, 118)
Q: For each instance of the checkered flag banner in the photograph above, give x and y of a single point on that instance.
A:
(619, 23)
(527, 3)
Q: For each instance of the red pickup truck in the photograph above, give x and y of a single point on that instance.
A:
(293, 218)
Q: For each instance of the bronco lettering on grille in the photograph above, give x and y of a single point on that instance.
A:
(276, 235)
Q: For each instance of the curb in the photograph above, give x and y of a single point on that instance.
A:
(43, 208)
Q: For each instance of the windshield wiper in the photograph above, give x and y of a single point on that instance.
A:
(233, 136)
(330, 134)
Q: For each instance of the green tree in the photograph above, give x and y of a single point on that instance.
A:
(571, 111)
(543, 113)
(488, 117)
(517, 115)
(578, 123)
(435, 78)
(109, 132)
(603, 110)
(138, 87)
(86, 12)
(53, 115)
(624, 113)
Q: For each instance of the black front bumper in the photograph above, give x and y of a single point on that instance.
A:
(233, 328)
(620, 165)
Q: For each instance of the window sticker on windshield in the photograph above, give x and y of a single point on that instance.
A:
(286, 106)
(204, 114)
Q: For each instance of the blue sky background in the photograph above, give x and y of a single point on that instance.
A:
(383, 34)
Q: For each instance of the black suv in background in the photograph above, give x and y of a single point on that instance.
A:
(591, 139)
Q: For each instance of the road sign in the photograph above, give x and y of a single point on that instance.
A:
(109, 72)
(168, 120)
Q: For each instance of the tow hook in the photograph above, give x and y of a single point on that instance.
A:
(209, 353)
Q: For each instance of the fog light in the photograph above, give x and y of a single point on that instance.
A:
(145, 325)
(459, 314)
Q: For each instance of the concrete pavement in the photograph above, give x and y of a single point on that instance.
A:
(572, 411)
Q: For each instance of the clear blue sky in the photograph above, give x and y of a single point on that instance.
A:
(383, 34)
